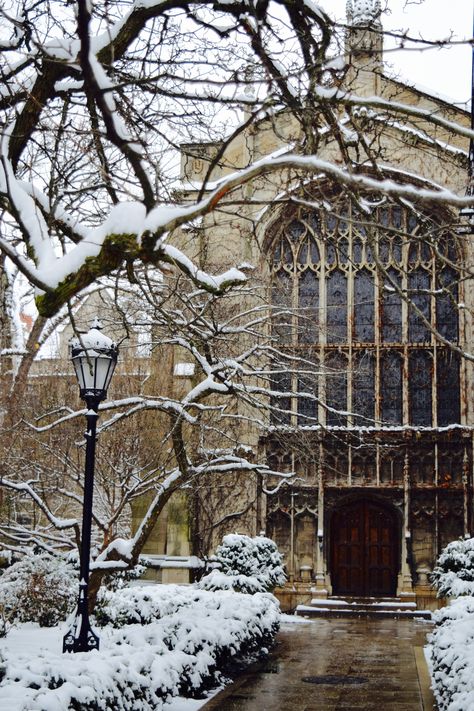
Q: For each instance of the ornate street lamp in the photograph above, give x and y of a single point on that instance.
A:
(94, 357)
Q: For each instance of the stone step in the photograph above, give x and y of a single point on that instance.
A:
(362, 607)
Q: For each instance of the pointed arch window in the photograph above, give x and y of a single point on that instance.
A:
(372, 301)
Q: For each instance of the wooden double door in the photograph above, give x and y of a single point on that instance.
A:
(364, 550)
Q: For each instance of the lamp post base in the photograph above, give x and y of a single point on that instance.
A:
(81, 637)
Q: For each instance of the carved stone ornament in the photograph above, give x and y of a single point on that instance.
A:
(198, 165)
(363, 12)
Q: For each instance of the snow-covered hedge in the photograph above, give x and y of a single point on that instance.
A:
(245, 564)
(139, 666)
(452, 642)
(454, 572)
(452, 656)
(39, 588)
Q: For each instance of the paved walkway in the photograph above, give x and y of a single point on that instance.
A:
(338, 665)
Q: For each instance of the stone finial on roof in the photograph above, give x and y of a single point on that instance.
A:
(363, 12)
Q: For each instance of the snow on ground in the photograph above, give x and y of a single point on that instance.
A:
(289, 622)
(139, 667)
(41, 640)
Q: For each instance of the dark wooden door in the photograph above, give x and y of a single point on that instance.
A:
(364, 558)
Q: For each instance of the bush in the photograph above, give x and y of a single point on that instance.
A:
(142, 604)
(245, 564)
(454, 572)
(39, 588)
(120, 579)
(452, 644)
(43, 588)
(199, 636)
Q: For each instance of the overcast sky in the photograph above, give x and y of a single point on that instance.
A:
(447, 71)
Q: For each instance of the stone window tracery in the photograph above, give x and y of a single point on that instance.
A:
(366, 293)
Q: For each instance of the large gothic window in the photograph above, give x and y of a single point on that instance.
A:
(372, 299)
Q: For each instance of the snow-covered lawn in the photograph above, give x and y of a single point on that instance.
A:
(191, 637)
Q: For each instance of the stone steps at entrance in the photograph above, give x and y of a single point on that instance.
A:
(362, 607)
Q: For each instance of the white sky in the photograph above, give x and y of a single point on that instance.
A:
(446, 71)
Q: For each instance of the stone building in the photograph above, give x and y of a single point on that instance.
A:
(381, 306)
(376, 298)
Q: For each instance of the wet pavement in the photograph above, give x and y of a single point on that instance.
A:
(337, 665)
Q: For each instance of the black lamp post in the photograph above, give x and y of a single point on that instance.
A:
(94, 357)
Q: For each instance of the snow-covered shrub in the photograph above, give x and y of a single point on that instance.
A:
(452, 656)
(39, 588)
(142, 604)
(452, 642)
(454, 572)
(120, 579)
(139, 666)
(245, 564)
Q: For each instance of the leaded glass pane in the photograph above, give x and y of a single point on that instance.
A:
(314, 252)
(287, 254)
(303, 254)
(384, 217)
(364, 329)
(343, 250)
(397, 244)
(419, 284)
(420, 366)
(295, 230)
(281, 405)
(384, 249)
(336, 299)
(357, 250)
(391, 388)
(447, 377)
(397, 217)
(308, 314)
(331, 222)
(369, 257)
(412, 222)
(446, 304)
(336, 389)
(363, 388)
(308, 383)
(282, 298)
(391, 309)
(331, 255)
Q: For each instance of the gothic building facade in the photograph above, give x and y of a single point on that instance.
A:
(379, 304)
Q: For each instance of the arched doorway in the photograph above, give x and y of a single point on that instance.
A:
(364, 549)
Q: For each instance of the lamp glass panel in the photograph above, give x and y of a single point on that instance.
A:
(102, 372)
(89, 368)
(77, 362)
(112, 364)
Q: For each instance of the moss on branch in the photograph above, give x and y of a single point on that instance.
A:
(116, 249)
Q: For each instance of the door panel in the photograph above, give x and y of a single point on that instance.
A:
(364, 555)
